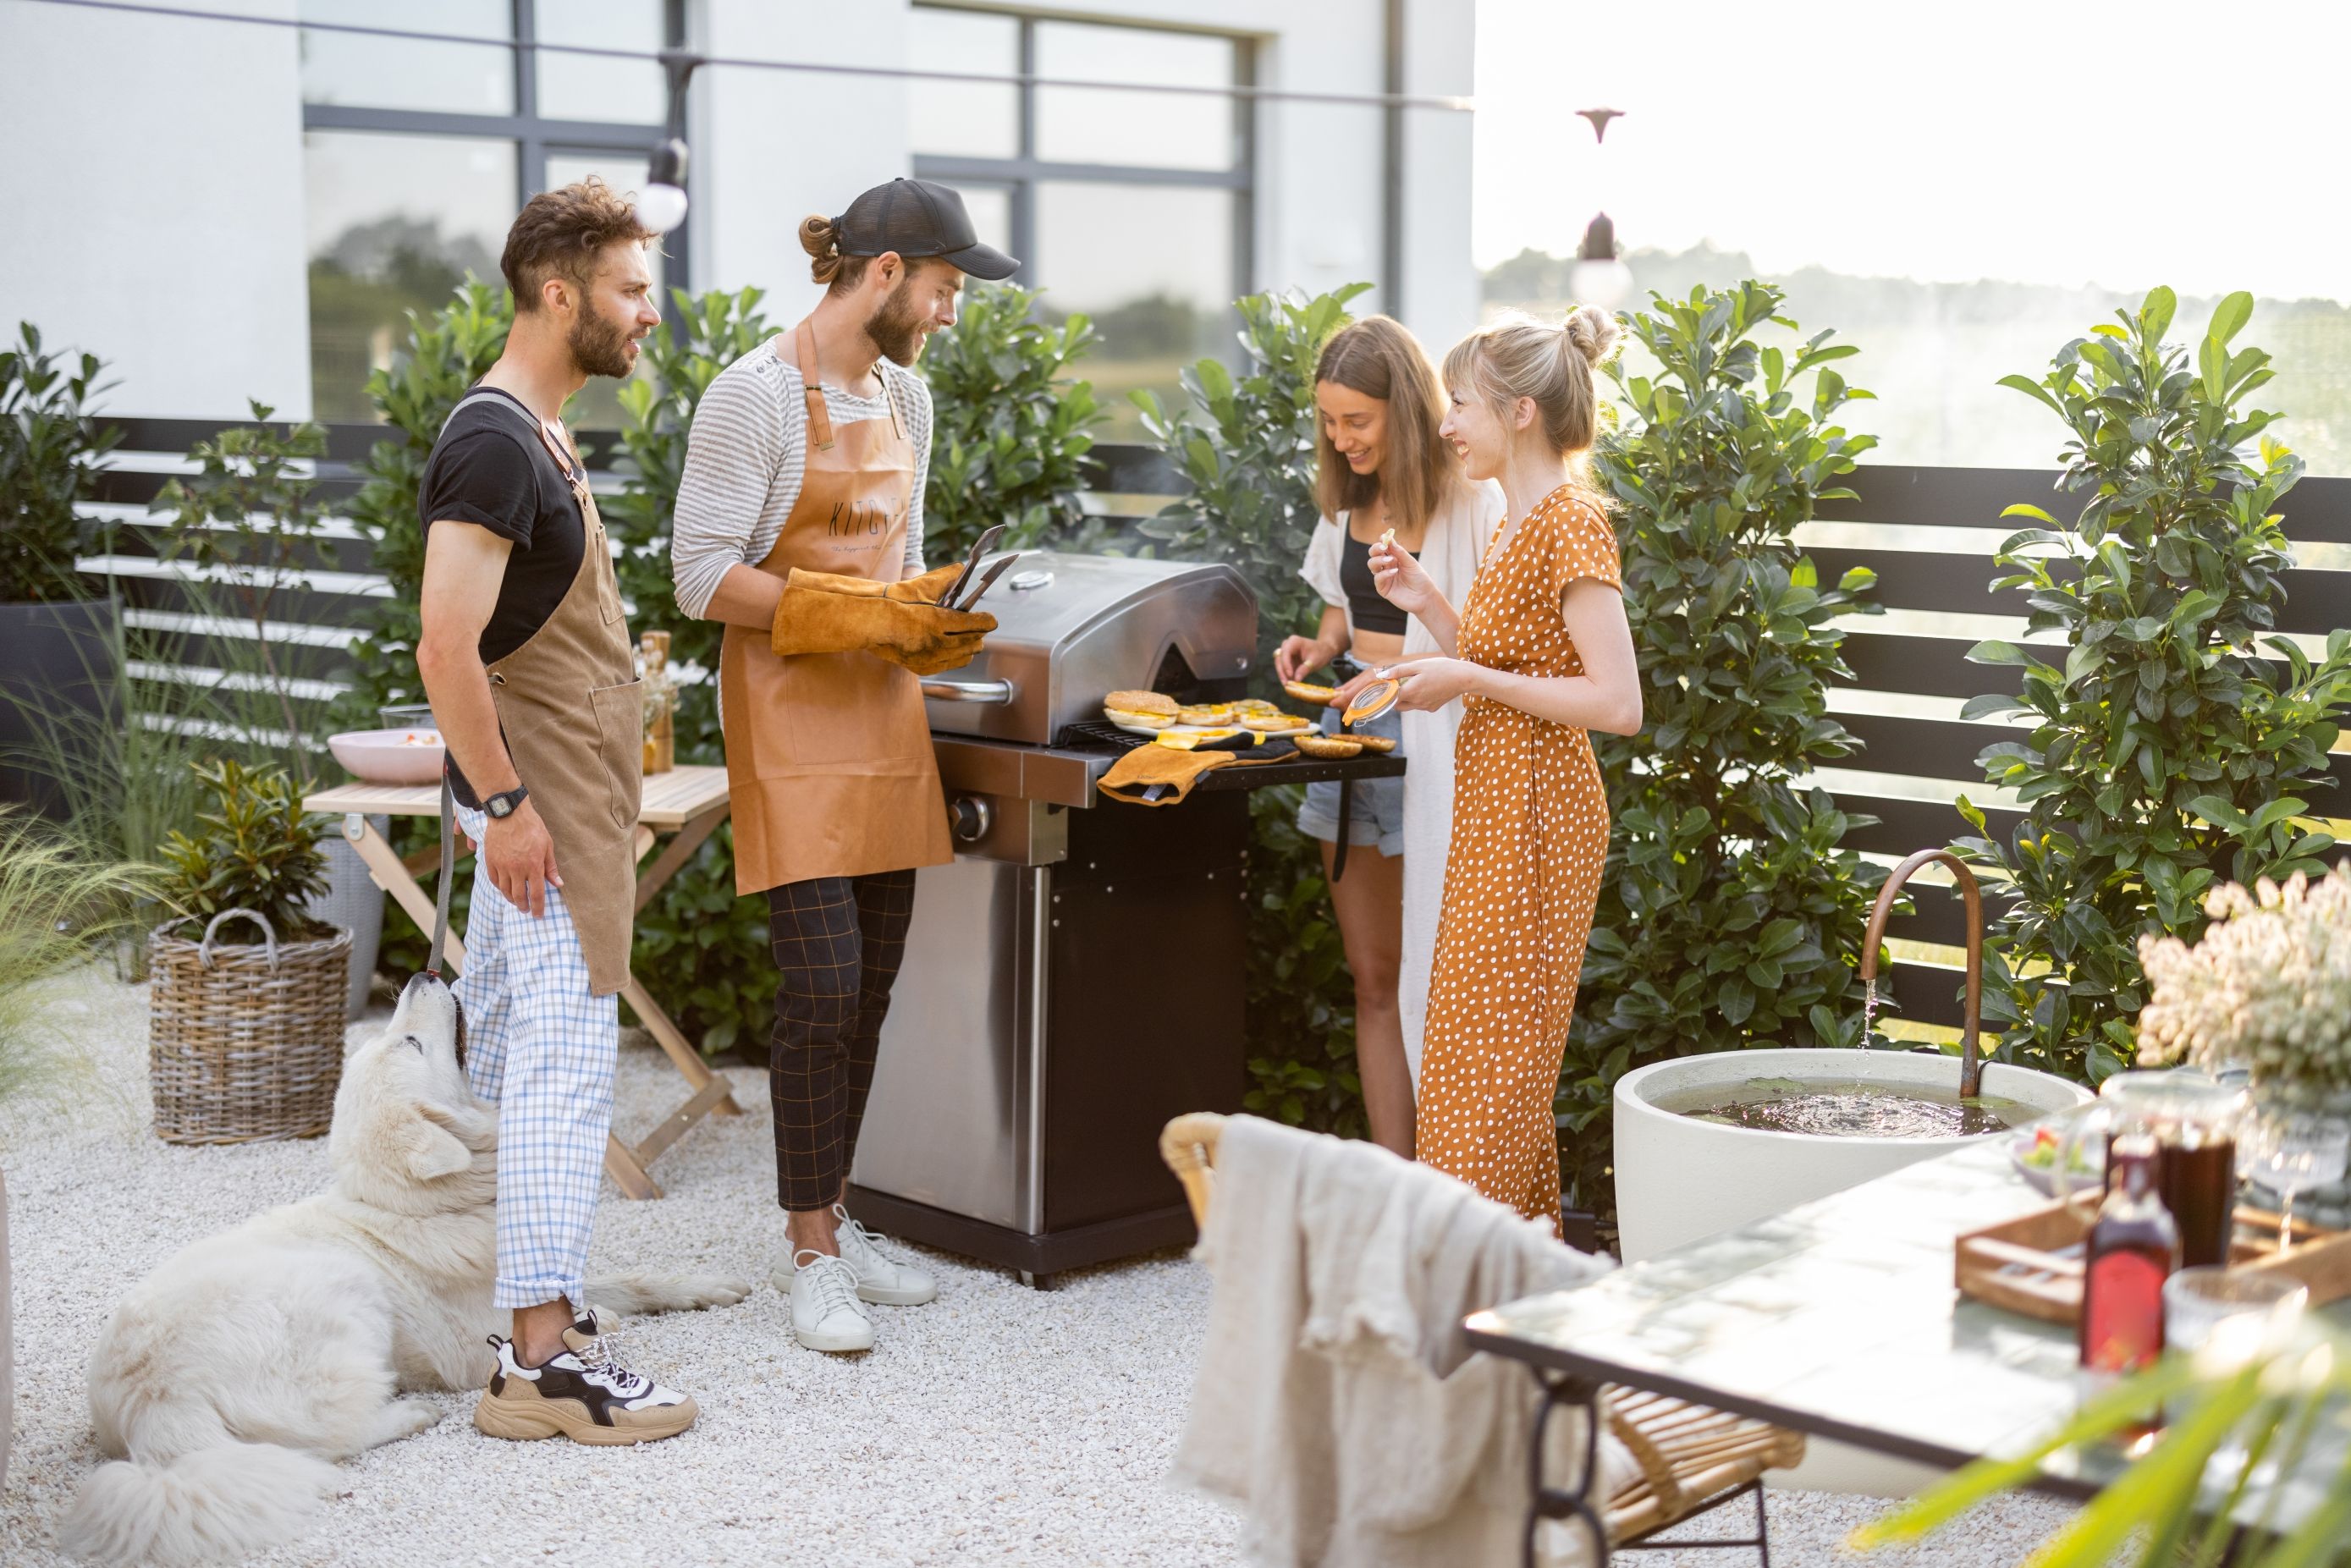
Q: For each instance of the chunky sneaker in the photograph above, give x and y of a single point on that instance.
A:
(881, 1279)
(584, 1394)
(826, 1313)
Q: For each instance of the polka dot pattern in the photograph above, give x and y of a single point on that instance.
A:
(1530, 842)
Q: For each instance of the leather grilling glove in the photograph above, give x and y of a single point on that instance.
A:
(824, 613)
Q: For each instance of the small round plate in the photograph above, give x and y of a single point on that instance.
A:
(2043, 1178)
(1146, 729)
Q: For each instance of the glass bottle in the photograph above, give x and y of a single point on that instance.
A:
(661, 703)
(2132, 1249)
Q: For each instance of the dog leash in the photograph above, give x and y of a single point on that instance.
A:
(448, 875)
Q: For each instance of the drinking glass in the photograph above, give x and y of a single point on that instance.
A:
(2232, 1309)
(2289, 1152)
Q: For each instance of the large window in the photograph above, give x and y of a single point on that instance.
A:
(418, 154)
(1133, 208)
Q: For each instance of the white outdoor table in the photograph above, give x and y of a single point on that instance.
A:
(686, 803)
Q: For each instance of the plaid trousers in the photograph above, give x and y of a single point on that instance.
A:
(838, 941)
(543, 1050)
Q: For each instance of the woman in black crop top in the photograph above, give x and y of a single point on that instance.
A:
(1379, 466)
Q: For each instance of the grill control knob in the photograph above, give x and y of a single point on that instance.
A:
(969, 818)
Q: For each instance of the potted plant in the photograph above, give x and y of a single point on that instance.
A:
(55, 907)
(245, 1040)
(58, 636)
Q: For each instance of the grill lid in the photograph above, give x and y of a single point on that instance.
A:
(1071, 629)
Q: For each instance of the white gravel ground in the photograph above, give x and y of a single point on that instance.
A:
(998, 1425)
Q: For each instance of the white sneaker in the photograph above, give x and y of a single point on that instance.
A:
(881, 1279)
(826, 1313)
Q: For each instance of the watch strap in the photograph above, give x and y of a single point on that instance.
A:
(503, 804)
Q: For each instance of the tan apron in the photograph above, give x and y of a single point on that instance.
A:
(573, 709)
(828, 760)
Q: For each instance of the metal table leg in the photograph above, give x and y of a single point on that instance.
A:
(1552, 1502)
(1346, 806)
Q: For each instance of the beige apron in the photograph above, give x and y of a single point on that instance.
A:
(573, 709)
(828, 760)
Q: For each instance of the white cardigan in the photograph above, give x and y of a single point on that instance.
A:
(1456, 545)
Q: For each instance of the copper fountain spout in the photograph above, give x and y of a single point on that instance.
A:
(1970, 1058)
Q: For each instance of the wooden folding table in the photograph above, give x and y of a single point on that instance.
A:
(687, 803)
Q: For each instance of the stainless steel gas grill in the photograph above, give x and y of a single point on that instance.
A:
(1074, 978)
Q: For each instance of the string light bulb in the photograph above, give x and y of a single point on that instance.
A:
(661, 205)
(1600, 276)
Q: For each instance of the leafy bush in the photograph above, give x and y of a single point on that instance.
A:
(2166, 752)
(699, 336)
(50, 447)
(1729, 919)
(1246, 447)
(709, 946)
(246, 521)
(1011, 427)
(447, 354)
(256, 849)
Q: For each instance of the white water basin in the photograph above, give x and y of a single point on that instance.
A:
(1680, 1177)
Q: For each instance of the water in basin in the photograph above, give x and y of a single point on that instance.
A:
(1848, 1108)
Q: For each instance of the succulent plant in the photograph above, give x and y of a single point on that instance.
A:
(255, 850)
(2269, 986)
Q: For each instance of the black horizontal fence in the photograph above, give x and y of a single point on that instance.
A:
(1919, 759)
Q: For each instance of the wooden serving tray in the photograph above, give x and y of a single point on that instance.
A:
(2033, 1264)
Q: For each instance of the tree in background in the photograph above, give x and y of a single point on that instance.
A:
(1729, 918)
(2170, 750)
(1246, 447)
(50, 446)
(1011, 425)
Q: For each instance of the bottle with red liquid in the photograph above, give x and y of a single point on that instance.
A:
(2133, 1248)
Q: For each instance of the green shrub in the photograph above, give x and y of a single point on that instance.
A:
(709, 946)
(2165, 754)
(1729, 919)
(1247, 447)
(1011, 427)
(447, 352)
(699, 336)
(50, 444)
(245, 521)
(58, 906)
(256, 849)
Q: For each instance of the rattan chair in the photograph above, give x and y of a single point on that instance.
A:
(1692, 1458)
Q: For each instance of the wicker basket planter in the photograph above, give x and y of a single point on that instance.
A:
(245, 1044)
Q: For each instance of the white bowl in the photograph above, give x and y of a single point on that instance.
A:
(390, 756)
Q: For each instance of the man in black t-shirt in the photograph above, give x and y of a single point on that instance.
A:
(525, 658)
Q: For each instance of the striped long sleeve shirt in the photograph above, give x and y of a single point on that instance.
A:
(746, 453)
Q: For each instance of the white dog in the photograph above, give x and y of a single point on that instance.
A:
(234, 1374)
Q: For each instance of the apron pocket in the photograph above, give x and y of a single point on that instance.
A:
(620, 745)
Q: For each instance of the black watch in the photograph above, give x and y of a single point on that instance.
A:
(502, 806)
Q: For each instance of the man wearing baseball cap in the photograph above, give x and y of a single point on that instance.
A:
(800, 526)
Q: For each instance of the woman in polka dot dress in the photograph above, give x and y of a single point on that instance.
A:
(1541, 654)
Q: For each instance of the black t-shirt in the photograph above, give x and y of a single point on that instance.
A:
(491, 469)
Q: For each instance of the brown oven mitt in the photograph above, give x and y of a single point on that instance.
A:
(821, 612)
(1159, 775)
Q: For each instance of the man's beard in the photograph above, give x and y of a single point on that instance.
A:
(599, 347)
(896, 328)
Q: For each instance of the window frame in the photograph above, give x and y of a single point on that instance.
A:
(534, 136)
(1022, 173)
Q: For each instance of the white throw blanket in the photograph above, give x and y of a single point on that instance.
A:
(1338, 1404)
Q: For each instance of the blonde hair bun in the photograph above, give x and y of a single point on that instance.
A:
(1594, 331)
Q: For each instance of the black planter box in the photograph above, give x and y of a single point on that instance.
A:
(56, 688)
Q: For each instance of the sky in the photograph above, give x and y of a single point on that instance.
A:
(2064, 141)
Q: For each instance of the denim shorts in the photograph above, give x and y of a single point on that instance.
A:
(1375, 813)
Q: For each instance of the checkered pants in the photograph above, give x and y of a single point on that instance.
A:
(838, 941)
(543, 1050)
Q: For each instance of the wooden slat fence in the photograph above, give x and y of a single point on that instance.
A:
(1928, 533)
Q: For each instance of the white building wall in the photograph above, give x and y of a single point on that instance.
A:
(164, 160)
(154, 192)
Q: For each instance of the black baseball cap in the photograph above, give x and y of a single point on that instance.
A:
(918, 218)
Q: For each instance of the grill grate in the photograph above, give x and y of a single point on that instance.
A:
(1098, 734)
